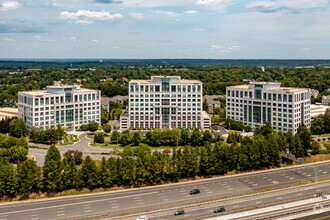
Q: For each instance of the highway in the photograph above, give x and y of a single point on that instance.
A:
(246, 203)
(158, 197)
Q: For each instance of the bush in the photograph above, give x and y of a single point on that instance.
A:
(99, 138)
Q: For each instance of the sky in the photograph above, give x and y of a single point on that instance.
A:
(157, 29)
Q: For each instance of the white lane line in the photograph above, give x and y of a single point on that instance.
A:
(88, 210)
(34, 218)
(140, 203)
(258, 202)
(114, 207)
(274, 182)
(77, 203)
(60, 211)
(209, 192)
(235, 206)
(292, 178)
(61, 214)
(299, 194)
(256, 184)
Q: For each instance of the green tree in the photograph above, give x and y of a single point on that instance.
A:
(8, 180)
(185, 139)
(248, 128)
(17, 128)
(305, 137)
(205, 105)
(104, 118)
(115, 136)
(107, 128)
(99, 137)
(29, 176)
(93, 126)
(207, 137)
(18, 153)
(89, 173)
(196, 138)
(52, 170)
(136, 140)
(317, 125)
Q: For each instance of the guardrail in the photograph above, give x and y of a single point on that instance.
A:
(219, 200)
(291, 211)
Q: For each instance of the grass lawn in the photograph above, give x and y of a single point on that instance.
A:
(322, 135)
(69, 139)
(317, 158)
(233, 131)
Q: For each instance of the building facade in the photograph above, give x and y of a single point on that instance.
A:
(68, 105)
(258, 102)
(165, 102)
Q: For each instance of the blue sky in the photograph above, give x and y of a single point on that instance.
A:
(218, 29)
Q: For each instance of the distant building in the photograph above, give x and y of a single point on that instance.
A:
(68, 105)
(105, 101)
(317, 110)
(211, 102)
(326, 100)
(258, 102)
(314, 93)
(165, 102)
(8, 112)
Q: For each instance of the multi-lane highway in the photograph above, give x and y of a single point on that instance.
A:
(159, 197)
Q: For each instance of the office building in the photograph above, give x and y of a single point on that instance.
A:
(258, 102)
(68, 105)
(165, 102)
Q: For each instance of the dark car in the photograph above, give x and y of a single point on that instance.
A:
(179, 212)
(219, 209)
(195, 191)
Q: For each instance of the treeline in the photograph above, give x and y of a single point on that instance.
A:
(165, 137)
(13, 149)
(46, 136)
(321, 123)
(114, 77)
(139, 166)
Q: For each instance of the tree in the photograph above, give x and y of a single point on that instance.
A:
(266, 129)
(207, 137)
(18, 153)
(305, 137)
(89, 173)
(184, 137)
(115, 136)
(107, 128)
(248, 128)
(73, 155)
(29, 177)
(52, 170)
(136, 140)
(8, 180)
(99, 137)
(17, 128)
(104, 118)
(317, 125)
(316, 147)
(196, 138)
(125, 138)
(59, 131)
(93, 126)
(205, 105)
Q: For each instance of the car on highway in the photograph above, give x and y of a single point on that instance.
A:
(219, 209)
(142, 218)
(195, 191)
(179, 212)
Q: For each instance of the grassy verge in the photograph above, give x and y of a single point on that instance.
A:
(317, 158)
(233, 131)
(322, 135)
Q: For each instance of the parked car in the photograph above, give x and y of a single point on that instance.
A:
(179, 212)
(219, 209)
(195, 191)
(142, 218)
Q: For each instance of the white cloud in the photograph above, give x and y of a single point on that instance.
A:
(210, 2)
(191, 12)
(85, 17)
(167, 13)
(94, 41)
(136, 15)
(44, 39)
(5, 6)
(223, 49)
(157, 3)
(284, 5)
(74, 39)
(198, 29)
(9, 39)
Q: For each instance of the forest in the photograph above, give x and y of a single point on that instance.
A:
(112, 77)
(138, 166)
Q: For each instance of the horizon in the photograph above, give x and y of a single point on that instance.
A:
(165, 29)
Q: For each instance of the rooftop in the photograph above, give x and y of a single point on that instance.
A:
(44, 92)
(282, 89)
(179, 81)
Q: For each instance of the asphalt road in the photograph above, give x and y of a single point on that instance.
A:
(245, 204)
(119, 202)
(324, 216)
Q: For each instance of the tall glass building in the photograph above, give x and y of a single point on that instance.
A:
(68, 105)
(254, 104)
(165, 102)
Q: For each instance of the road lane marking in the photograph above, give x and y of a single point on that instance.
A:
(77, 203)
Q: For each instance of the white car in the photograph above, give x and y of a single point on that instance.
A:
(142, 218)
